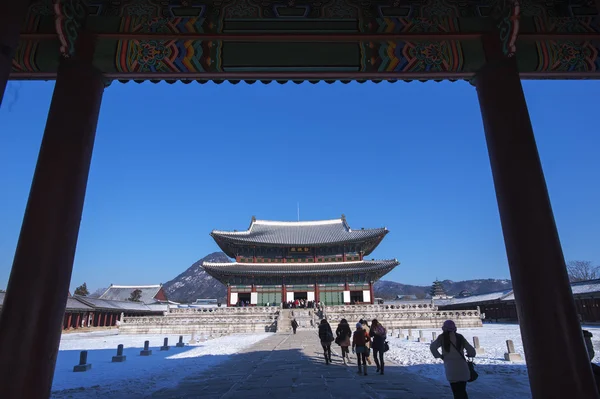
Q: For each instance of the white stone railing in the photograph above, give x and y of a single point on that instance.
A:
(409, 317)
(380, 308)
(225, 310)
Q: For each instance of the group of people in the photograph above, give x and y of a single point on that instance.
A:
(299, 303)
(365, 337)
(362, 340)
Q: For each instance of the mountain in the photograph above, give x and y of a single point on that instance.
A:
(195, 283)
(389, 289)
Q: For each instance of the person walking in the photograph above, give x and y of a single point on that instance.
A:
(359, 341)
(343, 333)
(326, 337)
(367, 328)
(378, 334)
(294, 325)
(457, 370)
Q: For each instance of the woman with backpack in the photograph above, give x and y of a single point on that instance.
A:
(326, 337)
(457, 370)
(378, 333)
(343, 334)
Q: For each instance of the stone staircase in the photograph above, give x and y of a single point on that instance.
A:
(305, 317)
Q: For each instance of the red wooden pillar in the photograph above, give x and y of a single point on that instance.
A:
(78, 320)
(283, 293)
(44, 256)
(110, 320)
(228, 295)
(12, 17)
(532, 245)
(105, 317)
(317, 293)
(371, 290)
(69, 320)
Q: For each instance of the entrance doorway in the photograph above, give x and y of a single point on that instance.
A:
(300, 295)
(356, 297)
(244, 297)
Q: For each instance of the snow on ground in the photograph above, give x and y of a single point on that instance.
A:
(138, 375)
(497, 376)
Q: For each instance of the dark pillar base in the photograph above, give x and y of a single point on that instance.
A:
(556, 357)
(179, 345)
(82, 367)
(145, 352)
(119, 359)
(165, 348)
(30, 325)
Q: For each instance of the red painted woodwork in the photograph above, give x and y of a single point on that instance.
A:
(12, 16)
(69, 320)
(371, 290)
(161, 295)
(228, 295)
(532, 245)
(44, 257)
(317, 293)
(78, 320)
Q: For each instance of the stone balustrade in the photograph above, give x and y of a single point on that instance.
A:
(211, 321)
(385, 307)
(411, 316)
(225, 310)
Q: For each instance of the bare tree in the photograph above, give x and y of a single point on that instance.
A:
(581, 270)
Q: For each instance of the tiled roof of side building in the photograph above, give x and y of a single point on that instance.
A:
(218, 269)
(123, 292)
(491, 296)
(299, 233)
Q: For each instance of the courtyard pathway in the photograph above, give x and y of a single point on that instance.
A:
(292, 366)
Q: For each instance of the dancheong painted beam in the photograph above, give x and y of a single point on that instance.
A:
(328, 40)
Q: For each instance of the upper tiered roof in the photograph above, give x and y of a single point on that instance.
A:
(313, 233)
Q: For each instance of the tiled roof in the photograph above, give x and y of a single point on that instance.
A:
(123, 292)
(232, 269)
(74, 304)
(99, 303)
(299, 233)
(492, 296)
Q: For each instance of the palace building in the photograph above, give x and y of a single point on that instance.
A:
(283, 261)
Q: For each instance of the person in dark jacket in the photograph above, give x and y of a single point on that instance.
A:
(326, 337)
(343, 333)
(294, 325)
(378, 334)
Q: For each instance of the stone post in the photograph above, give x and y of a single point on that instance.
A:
(180, 344)
(478, 349)
(433, 336)
(421, 336)
(511, 355)
(400, 334)
(193, 338)
(83, 364)
(165, 346)
(409, 336)
(146, 351)
(120, 357)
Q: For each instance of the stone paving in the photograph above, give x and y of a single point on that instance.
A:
(292, 366)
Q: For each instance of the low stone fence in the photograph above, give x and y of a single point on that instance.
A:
(211, 321)
(404, 316)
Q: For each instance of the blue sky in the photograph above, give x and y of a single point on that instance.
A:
(173, 162)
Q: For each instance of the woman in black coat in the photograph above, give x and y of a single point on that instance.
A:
(326, 337)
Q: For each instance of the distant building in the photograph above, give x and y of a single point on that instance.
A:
(406, 297)
(437, 290)
(148, 294)
(285, 261)
(500, 306)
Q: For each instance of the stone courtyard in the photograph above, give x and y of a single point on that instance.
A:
(292, 366)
